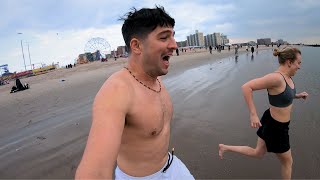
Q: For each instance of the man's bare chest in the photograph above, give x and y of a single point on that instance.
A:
(151, 113)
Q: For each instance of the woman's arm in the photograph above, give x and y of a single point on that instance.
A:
(268, 81)
(302, 95)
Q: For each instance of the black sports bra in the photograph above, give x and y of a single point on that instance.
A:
(283, 99)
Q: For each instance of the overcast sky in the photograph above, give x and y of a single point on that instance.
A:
(58, 30)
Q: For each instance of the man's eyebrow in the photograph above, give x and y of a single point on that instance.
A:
(167, 31)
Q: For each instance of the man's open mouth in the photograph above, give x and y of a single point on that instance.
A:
(166, 58)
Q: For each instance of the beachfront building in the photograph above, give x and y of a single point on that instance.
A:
(281, 42)
(88, 57)
(113, 53)
(196, 39)
(121, 50)
(252, 43)
(209, 40)
(264, 41)
(214, 39)
(224, 39)
(217, 38)
(182, 43)
(82, 59)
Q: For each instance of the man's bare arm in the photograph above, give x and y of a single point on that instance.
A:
(109, 110)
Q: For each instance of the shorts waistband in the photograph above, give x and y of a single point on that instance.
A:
(123, 175)
(274, 121)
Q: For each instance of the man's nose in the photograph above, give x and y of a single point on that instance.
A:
(173, 44)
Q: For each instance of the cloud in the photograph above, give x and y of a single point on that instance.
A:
(63, 15)
(191, 16)
(78, 21)
(224, 28)
(306, 4)
(63, 47)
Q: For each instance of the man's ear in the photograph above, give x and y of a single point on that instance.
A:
(136, 46)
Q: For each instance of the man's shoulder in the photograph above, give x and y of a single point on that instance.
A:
(115, 89)
(118, 80)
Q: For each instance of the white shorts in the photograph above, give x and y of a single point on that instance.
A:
(177, 170)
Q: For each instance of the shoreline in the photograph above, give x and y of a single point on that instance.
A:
(186, 59)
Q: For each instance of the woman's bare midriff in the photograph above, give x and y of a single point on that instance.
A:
(281, 114)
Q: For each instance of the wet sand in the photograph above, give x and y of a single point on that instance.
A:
(44, 130)
(210, 109)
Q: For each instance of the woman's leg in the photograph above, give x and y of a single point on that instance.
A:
(257, 152)
(286, 164)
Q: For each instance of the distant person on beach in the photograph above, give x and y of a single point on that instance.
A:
(252, 50)
(247, 48)
(210, 49)
(177, 52)
(19, 86)
(236, 50)
(273, 132)
(132, 112)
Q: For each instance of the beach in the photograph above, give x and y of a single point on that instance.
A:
(44, 129)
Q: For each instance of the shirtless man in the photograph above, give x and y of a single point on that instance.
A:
(132, 111)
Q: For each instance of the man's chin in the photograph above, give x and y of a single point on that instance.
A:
(164, 72)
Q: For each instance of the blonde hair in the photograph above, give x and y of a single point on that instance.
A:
(287, 53)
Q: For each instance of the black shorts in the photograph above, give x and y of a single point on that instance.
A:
(274, 133)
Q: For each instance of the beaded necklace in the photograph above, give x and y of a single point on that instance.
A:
(144, 84)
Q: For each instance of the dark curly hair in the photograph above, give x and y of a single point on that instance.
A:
(139, 23)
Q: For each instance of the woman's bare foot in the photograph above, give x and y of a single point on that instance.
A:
(221, 150)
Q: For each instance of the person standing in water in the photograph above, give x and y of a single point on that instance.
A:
(273, 132)
(236, 50)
